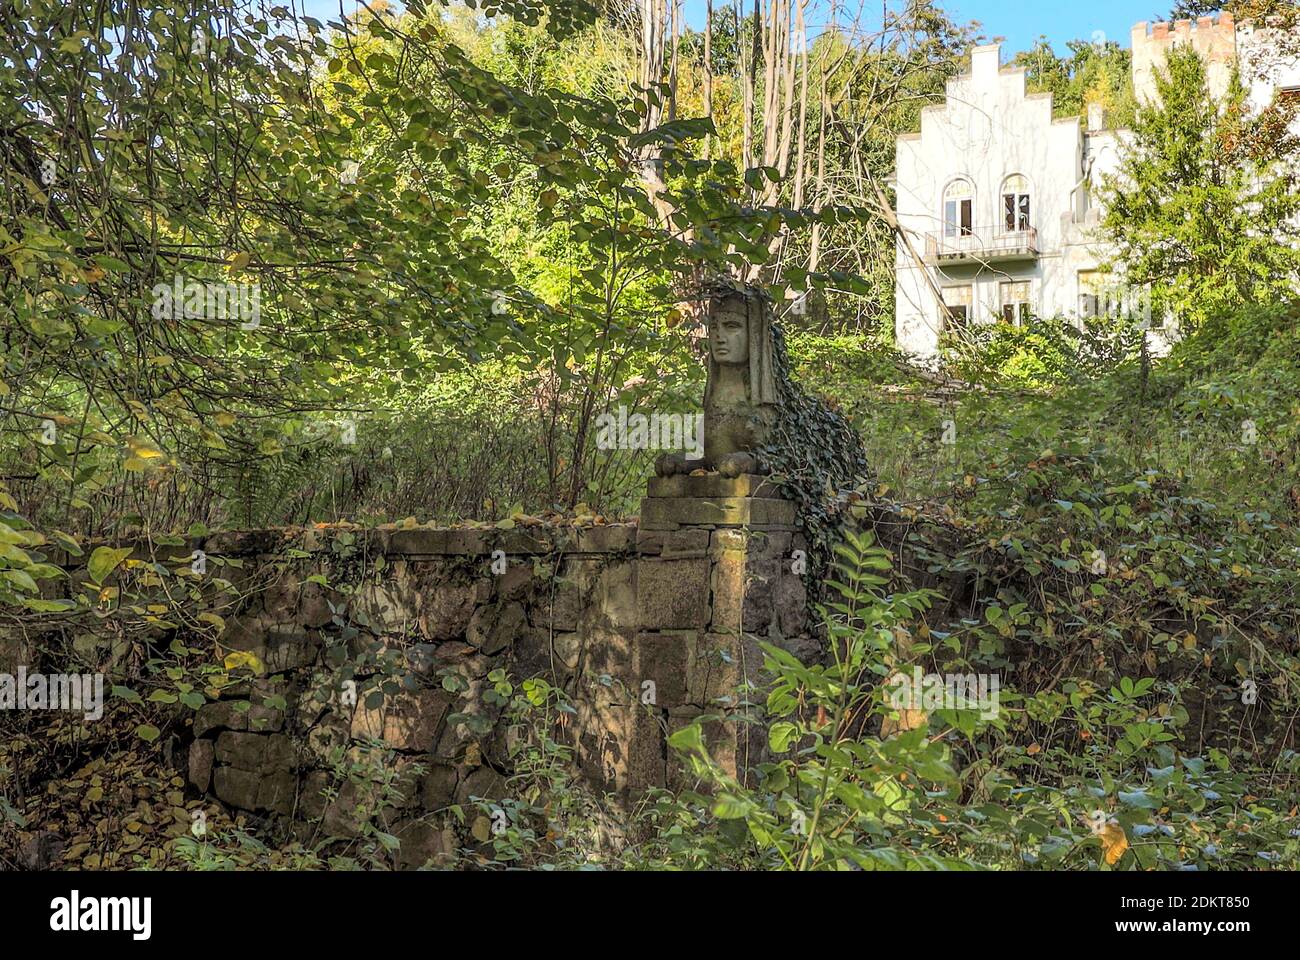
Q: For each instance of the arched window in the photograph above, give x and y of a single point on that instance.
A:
(958, 209)
(1015, 204)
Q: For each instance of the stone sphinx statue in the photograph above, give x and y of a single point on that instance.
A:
(742, 393)
(757, 420)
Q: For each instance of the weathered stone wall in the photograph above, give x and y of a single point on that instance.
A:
(369, 657)
(360, 660)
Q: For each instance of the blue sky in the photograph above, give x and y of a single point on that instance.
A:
(1021, 22)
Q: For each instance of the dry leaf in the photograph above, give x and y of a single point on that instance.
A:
(1113, 843)
(908, 719)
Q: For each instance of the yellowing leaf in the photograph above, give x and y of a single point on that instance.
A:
(1113, 843)
(240, 260)
(243, 658)
(214, 619)
(225, 419)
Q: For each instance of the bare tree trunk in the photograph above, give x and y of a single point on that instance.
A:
(779, 66)
(787, 64)
(771, 51)
(708, 71)
(799, 169)
(819, 190)
(749, 77)
(648, 28)
(672, 60)
(654, 13)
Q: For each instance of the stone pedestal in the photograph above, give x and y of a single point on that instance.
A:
(716, 573)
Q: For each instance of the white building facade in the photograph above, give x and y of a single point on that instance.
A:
(997, 201)
(995, 204)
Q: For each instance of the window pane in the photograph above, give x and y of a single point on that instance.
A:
(1024, 212)
(1009, 211)
(957, 190)
(966, 229)
(957, 296)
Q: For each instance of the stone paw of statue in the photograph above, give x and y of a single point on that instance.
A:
(670, 464)
(735, 464)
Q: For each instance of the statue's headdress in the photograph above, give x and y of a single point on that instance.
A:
(763, 386)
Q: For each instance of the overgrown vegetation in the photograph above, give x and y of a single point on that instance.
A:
(473, 236)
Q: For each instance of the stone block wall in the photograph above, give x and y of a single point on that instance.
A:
(392, 650)
(369, 657)
(718, 570)
(1214, 38)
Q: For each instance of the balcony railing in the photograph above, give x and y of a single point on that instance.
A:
(982, 245)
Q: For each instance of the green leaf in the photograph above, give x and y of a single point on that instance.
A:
(781, 735)
(689, 737)
(1138, 798)
(104, 561)
(49, 606)
(731, 808)
(21, 579)
(127, 694)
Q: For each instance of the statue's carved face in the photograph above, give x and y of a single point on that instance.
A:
(729, 333)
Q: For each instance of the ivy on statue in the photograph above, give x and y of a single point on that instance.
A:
(759, 421)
